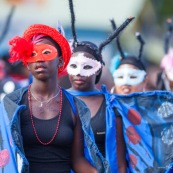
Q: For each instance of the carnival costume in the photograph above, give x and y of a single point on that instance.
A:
(147, 119)
(12, 156)
(95, 65)
(147, 124)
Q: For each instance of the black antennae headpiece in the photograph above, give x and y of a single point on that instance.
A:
(117, 40)
(142, 42)
(115, 33)
(97, 51)
(73, 23)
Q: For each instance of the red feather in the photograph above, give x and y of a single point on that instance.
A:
(20, 49)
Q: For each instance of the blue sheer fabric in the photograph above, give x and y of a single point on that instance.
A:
(148, 130)
(147, 127)
(12, 156)
(110, 142)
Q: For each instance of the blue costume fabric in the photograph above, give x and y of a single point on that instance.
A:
(12, 157)
(148, 130)
(147, 127)
(110, 142)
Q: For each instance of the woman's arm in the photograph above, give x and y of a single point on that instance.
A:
(121, 147)
(79, 163)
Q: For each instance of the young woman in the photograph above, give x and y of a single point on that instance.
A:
(44, 128)
(84, 70)
(130, 74)
(146, 116)
(137, 125)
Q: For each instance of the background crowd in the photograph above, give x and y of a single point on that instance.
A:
(82, 71)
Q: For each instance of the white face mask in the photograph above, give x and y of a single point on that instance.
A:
(83, 65)
(128, 76)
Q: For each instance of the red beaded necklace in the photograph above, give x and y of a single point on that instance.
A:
(32, 121)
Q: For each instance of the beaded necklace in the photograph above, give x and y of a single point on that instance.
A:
(32, 120)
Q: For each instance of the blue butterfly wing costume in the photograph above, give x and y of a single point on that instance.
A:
(148, 128)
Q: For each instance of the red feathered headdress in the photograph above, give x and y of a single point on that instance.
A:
(23, 47)
(20, 49)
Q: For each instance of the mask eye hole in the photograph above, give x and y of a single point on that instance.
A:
(47, 51)
(73, 66)
(87, 67)
(133, 77)
(120, 77)
(34, 53)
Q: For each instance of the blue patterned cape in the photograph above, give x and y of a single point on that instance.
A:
(148, 130)
(147, 127)
(110, 147)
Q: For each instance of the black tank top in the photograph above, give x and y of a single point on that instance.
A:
(98, 124)
(55, 157)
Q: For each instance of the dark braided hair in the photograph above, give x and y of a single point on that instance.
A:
(90, 47)
(130, 59)
(115, 33)
(73, 23)
(114, 27)
(142, 42)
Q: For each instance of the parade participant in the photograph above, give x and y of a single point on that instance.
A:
(43, 127)
(147, 123)
(129, 73)
(165, 77)
(145, 117)
(84, 70)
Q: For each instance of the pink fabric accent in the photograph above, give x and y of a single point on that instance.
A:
(4, 158)
(37, 38)
(167, 61)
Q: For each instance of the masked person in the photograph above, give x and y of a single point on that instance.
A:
(43, 128)
(84, 70)
(146, 117)
(143, 119)
(165, 76)
(129, 72)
